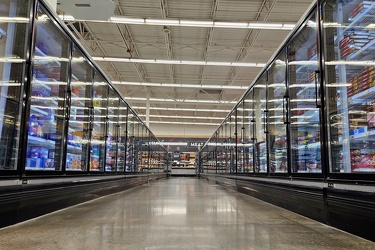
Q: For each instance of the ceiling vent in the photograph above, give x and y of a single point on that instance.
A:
(87, 9)
(83, 5)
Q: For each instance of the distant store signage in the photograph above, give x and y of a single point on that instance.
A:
(194, 144)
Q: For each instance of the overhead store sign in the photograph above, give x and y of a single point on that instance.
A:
(191, 144)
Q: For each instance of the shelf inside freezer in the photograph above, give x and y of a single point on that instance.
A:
(314, 145)
(363, 18)
(365, 95)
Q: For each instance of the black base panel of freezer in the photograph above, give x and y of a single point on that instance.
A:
(23, 202)
(351, 211)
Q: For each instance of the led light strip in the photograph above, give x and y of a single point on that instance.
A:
(185, 117)
(176, 62)
(186, 109)
(187, 123)
(179, 100)
(180, 85)
(189, 23)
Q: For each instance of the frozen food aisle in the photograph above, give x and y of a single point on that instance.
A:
(177, 213)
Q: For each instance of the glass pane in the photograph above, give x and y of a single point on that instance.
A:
(13, 37)
(228, 146)
(48, 100)
(277, 143)
(80, 115)
(137, 140)
(240, 139)
(99, 114)
(249, 131)
(144, 148)
(304, 100)
(121, 145)
(113, 117)
(130, 142)
(221, 149)
(350, 87)
(260, 119)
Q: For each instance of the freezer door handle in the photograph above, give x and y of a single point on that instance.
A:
(316, 90)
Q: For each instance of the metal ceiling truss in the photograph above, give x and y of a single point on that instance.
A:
(262, 15)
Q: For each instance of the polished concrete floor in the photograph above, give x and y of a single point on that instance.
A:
(177, 213)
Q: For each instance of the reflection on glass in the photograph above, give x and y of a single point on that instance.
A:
(142, 150)
(248, 131)
(121, 145)
(350, 85)
(277, 117)
(111, 145)
(304, 101)
(130, 147)
(240, 142)
(47, 118)
(260, 125)
(81, 112)
(13, 37)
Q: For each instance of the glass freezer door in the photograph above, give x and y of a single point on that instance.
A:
(98, 125)
(48, 98)
(13, 37)
(304, 100)
(81, 113)
(121, 139)
(260, 110)
(277, 115)
(349, 40)
(240, 142)
(248, 125)
(111, 143)
(130, 142)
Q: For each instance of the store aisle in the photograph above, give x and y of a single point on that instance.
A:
(177, 213)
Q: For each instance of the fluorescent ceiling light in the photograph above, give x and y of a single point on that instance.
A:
(302, 100)
(50, 58)
(312, 63)
(187, 123)
(178, 62)
(184, 117)
(194, 23)
(36, 82)
(189, 23)
(6, 19)
(6, 83)
(180, 85)
(180, 100)
(186, 109)
(12, 59)
(359, 63)
(336, 84)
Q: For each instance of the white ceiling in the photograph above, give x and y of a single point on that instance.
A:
(108, 39)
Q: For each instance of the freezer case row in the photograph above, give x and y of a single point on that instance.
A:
(73, 119)
(312, 109)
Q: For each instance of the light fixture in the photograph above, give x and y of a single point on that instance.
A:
(187, 123)
(178, 62)
(185, 109)
(180, 85)
(359, 63)
(184, 117)
(179, 100)
(6, 19)
(190, 23)
(12, 59)
(203, 24)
